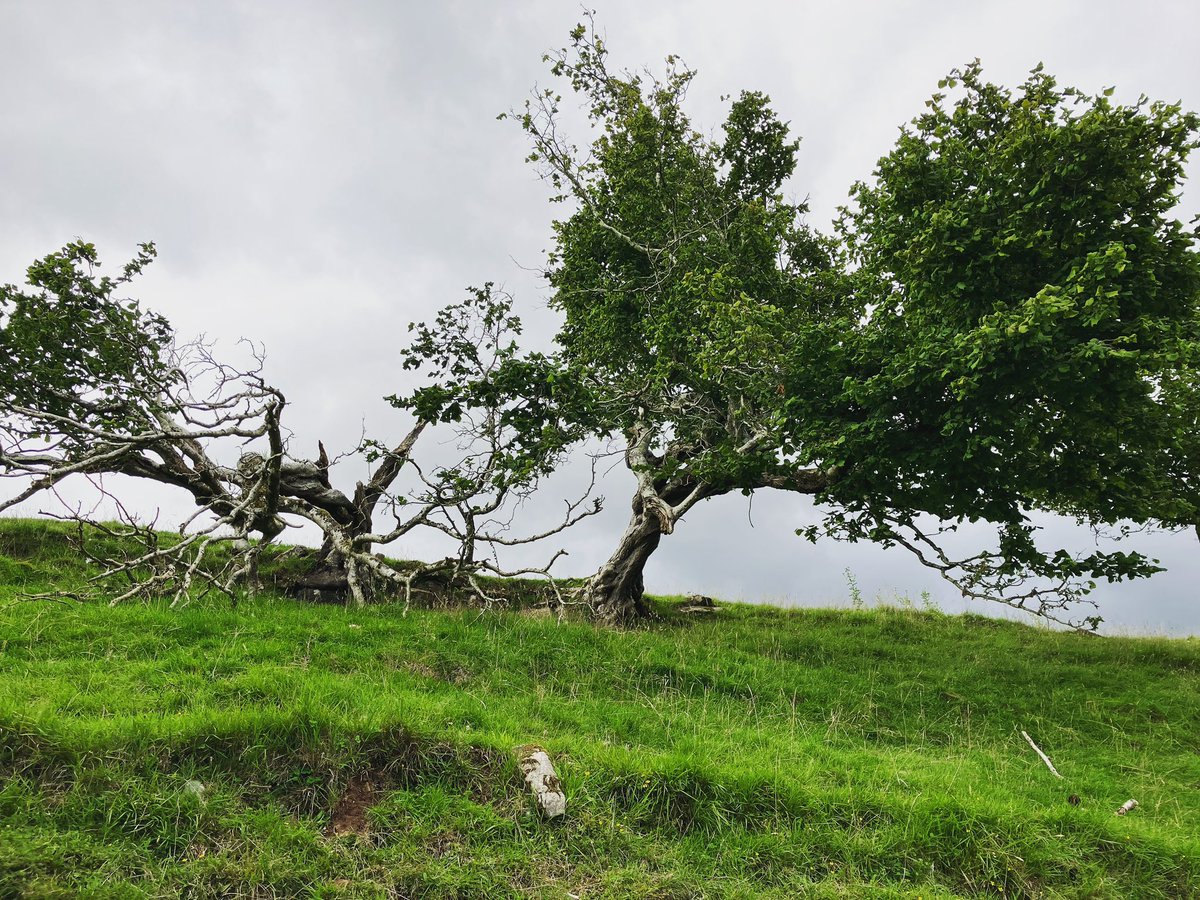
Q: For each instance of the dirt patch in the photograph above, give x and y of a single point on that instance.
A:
(443, 843)
(349, 815)
(449, 673)
(441, 671)
(420, 668)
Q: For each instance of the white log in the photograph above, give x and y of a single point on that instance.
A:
(543, 781)
(1039, 752)
(1126, 807)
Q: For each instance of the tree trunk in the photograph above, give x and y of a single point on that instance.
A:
(615, 593)
(328, 580)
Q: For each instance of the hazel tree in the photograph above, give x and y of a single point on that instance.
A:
(1003, 321)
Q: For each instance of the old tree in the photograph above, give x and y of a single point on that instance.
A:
(93, 385)
(1004, 320)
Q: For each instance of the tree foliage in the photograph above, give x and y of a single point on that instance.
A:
(1004, 320)
(74, 348)
(1031, 294)
(1032, 336)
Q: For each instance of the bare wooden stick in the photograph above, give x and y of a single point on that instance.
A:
(1044, 757)
(1126, 807)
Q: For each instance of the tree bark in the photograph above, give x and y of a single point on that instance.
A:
(615, 594)
(330, 579)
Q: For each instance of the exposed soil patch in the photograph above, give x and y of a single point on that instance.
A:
(448, 674)
(420, 668)
(349, 814)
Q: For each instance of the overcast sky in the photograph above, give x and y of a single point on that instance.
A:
(317, 175)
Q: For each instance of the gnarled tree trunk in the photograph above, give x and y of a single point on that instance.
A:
(331, 577)
(615, 593)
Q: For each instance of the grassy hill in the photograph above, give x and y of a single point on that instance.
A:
(280, 749)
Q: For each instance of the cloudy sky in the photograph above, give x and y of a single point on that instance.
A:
(317, 175)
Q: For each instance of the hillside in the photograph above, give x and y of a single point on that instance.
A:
(281, 749)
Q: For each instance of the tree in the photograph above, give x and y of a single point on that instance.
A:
(91, 384)
(1003, 321)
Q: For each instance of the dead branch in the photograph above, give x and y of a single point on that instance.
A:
(1044, 757)
(174, 414)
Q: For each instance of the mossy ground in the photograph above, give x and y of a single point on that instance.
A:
(753, 752)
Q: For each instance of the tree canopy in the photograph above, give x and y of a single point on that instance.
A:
(1003, 320)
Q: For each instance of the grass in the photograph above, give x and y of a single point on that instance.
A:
(211, 751)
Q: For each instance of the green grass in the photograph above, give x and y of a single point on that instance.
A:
(752, 753)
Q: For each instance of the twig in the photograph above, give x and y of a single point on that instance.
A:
(1044, 757)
